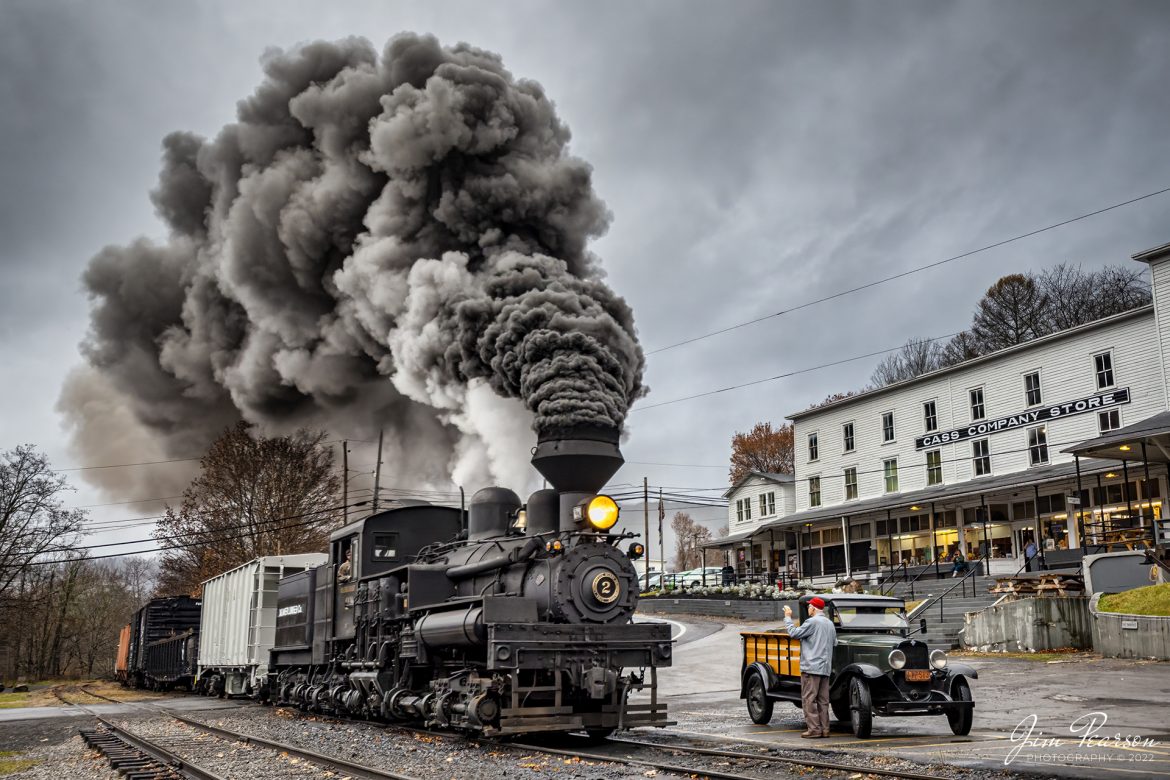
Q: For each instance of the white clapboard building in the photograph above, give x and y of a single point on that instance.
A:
(980, 458)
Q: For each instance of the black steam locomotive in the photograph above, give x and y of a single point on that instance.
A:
(519, 622)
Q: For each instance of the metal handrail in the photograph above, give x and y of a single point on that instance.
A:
(939, 598)
(911, 582)
(881, 586)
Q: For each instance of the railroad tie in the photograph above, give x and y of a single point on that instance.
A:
(126, 759)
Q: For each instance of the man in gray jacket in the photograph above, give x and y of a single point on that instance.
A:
(817, 637)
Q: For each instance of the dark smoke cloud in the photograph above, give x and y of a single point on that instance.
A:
(395, 241)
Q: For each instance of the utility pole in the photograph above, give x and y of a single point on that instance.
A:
(345, 482)
(646, 525)
(661, 549)
(378, 471)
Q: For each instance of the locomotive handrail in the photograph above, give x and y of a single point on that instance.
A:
(516, 555)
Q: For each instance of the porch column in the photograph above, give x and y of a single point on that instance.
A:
(1149, 497)
(934, 542)
(986, 538)
(845, 536)
(890, 542)
(1038, 528)
(1080, 508)
(1125, 488)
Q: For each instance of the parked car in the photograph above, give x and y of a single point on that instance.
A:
(693, 577)
(879, 668)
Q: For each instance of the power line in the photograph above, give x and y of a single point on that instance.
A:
(909, 272)
(779, 376)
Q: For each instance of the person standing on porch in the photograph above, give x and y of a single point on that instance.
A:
(817, 637)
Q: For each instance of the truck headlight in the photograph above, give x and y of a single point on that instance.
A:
(938, 659)
(897, 659)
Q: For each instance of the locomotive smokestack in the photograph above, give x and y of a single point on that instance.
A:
(577, 462)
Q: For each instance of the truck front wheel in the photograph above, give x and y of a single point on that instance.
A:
(758, 703)
(861, 708)
(960, 717)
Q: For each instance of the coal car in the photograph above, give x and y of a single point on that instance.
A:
(512, 617)
(162, 642)
(880, 667)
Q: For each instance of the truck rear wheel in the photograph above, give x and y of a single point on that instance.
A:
(960, 717)
(758, 703)
(861, 708)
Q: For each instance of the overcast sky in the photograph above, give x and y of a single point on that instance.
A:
(755, 155)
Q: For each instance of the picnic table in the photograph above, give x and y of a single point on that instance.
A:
(1039, 584)
(1130, 537)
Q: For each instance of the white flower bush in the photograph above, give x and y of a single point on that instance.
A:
(745, 591)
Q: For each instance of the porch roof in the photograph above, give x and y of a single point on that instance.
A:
(944, 494)
(1126, 443)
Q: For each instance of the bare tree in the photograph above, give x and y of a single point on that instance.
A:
(1068, 291)
(34, 522)
(255, 496)
(917, 356)
(1012, 311)
(962, 347)
(763, 448)
(689, 536)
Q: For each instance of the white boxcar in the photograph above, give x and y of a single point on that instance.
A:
(238, 626)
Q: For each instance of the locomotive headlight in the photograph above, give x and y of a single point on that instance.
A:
(601, 512)
(938, 659)
(636, 551)
(897, 659)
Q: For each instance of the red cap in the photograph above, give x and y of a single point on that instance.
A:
(817, 601)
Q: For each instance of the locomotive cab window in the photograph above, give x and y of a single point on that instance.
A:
(385, 546)
(347, 557)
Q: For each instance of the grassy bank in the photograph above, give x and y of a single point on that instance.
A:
(1152, 600)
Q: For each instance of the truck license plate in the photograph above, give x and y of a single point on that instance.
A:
(917, 675)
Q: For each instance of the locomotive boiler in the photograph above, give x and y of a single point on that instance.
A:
(514, 617)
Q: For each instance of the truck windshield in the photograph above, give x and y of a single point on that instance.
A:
(865, 616)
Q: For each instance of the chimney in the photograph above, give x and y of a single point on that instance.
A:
(577, 463)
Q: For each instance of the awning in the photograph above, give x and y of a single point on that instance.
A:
(943, 494)
(728, 541)
(1148, 440)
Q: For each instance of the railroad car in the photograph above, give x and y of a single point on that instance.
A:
(238, 624)
(122, 661)
(163, 642)
(514, 617)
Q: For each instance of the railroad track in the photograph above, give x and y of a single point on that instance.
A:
(173, 745)
(660, 756)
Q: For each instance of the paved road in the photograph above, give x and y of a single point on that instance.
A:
(702, 689)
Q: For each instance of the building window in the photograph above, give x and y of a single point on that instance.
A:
(887, 426)
(739, 511)
(1109, 420)
(981, 457)
(930, 416)
(767, 504)
(977, 411)
(934, 467)
(847, 432)
(850, 483)
(1032, 388)
(1038, 445)
(1103, 363)
(813, 449)
(747, 509)
(890, 470)
(814, 491)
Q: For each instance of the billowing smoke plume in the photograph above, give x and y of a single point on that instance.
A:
(395, 241)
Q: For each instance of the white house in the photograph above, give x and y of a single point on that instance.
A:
(972, 457)
(759, 497)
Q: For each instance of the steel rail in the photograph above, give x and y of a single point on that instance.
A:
(160, 754)
(832, 765)
(327, 762)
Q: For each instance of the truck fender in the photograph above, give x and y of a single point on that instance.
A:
(764, 670)
(965, 670)
(841, 679)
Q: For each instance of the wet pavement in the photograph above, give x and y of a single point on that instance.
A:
(1068, 718)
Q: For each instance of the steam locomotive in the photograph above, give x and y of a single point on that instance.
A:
(519, 622)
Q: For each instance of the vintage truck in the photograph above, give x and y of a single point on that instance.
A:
(879, 667)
